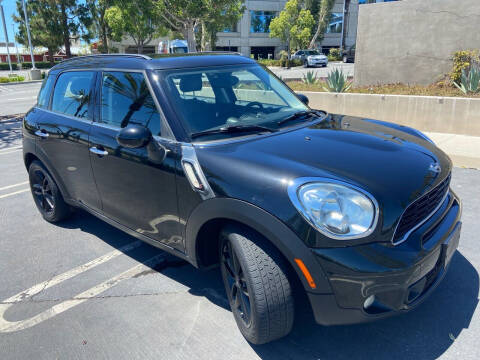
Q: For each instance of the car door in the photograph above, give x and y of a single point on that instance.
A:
(136, 185)
(62, 135)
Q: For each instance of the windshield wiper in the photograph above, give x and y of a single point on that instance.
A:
(232, 129)
(298, 115)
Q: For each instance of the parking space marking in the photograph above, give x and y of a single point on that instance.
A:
(14, 193)
(11, 326)
(12, 186)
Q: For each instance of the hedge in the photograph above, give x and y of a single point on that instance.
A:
(4, 66)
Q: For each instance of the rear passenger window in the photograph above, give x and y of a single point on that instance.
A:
(126, 99)
(44, 94)
(72, 93)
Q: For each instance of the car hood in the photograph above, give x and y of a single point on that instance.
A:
(395, 164)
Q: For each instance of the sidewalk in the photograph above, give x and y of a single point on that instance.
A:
(464, 150)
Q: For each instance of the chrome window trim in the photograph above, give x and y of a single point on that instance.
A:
(405, 237)
(295, 184)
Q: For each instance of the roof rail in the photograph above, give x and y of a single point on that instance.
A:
(102, 55)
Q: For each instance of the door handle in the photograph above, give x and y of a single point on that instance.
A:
(42, 133)
(99, 152)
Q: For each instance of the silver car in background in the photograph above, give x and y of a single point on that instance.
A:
(311, 58)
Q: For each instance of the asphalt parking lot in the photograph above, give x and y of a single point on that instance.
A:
(82, 289)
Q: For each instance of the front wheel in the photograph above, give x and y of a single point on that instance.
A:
(345, 59)
(255, 277)
(305, 64)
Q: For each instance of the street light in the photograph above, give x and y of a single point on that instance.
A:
(35, 74)
(6, 35)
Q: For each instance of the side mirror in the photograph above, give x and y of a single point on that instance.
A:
(134, 136)
(303, 98)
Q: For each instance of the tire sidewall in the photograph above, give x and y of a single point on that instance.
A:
(59, 205)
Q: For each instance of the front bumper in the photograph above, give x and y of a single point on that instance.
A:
(398, 278)
(317, 62)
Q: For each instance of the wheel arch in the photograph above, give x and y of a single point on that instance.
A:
(207, 220)
(29, 157)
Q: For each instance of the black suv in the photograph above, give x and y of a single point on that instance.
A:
(215, 160)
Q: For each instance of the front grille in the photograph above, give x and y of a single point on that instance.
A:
(419, 210)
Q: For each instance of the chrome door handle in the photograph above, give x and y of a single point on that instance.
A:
(41, 133)
(98, 151)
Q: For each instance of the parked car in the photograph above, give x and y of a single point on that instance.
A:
(214, 159)
(311, 58)
(349, 54)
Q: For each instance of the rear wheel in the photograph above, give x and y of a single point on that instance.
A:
(255, 278)
(46, 194)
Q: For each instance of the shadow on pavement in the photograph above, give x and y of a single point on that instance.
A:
(10, 133)
(424, 333)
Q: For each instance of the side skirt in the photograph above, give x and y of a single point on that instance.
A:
(131, 232)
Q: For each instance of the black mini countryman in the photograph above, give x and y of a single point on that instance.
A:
(212, 158)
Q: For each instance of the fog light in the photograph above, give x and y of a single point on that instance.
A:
(369, 301)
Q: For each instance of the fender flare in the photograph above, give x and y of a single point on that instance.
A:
(274, 230)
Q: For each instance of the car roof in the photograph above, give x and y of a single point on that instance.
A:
(157, 61)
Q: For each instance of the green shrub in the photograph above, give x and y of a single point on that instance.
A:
(269, 62)
(4, 79)
(337, 82)
(335, 54)
(470, 83)
(463, 60)
(310, 78)
(4, 66)
(38, 65)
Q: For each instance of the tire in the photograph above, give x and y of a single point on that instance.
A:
(268, 311)
(345, 59)
(46, 194)
(305, 64)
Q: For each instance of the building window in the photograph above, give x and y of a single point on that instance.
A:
(336, 23)
(231, 28)
(260, 21)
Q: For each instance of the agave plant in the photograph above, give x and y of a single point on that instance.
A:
(470, 83)
(310, 78)
(337, 82)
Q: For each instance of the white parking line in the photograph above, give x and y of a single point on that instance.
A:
(12, 186)
(11, 326)
(14, 193)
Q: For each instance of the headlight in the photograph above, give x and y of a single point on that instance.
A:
(339, 211)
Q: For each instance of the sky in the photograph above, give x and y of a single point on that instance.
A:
(9, 8)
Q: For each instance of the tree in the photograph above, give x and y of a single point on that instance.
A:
(138, 19)
(185, 16)
(324, 15)
(44, 24)
(75, 20)
(218, 19)
(99, 27)
(293, 25)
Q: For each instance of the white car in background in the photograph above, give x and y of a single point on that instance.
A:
(311, 58)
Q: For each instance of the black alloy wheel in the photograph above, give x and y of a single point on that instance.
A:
(236, 284)
(46, 194)
(42, 191)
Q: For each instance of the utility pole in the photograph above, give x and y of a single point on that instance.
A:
(15, 42)
(35, 74)
(6, 36)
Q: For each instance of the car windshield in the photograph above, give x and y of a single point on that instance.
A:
(312, 52)
(245, 98)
